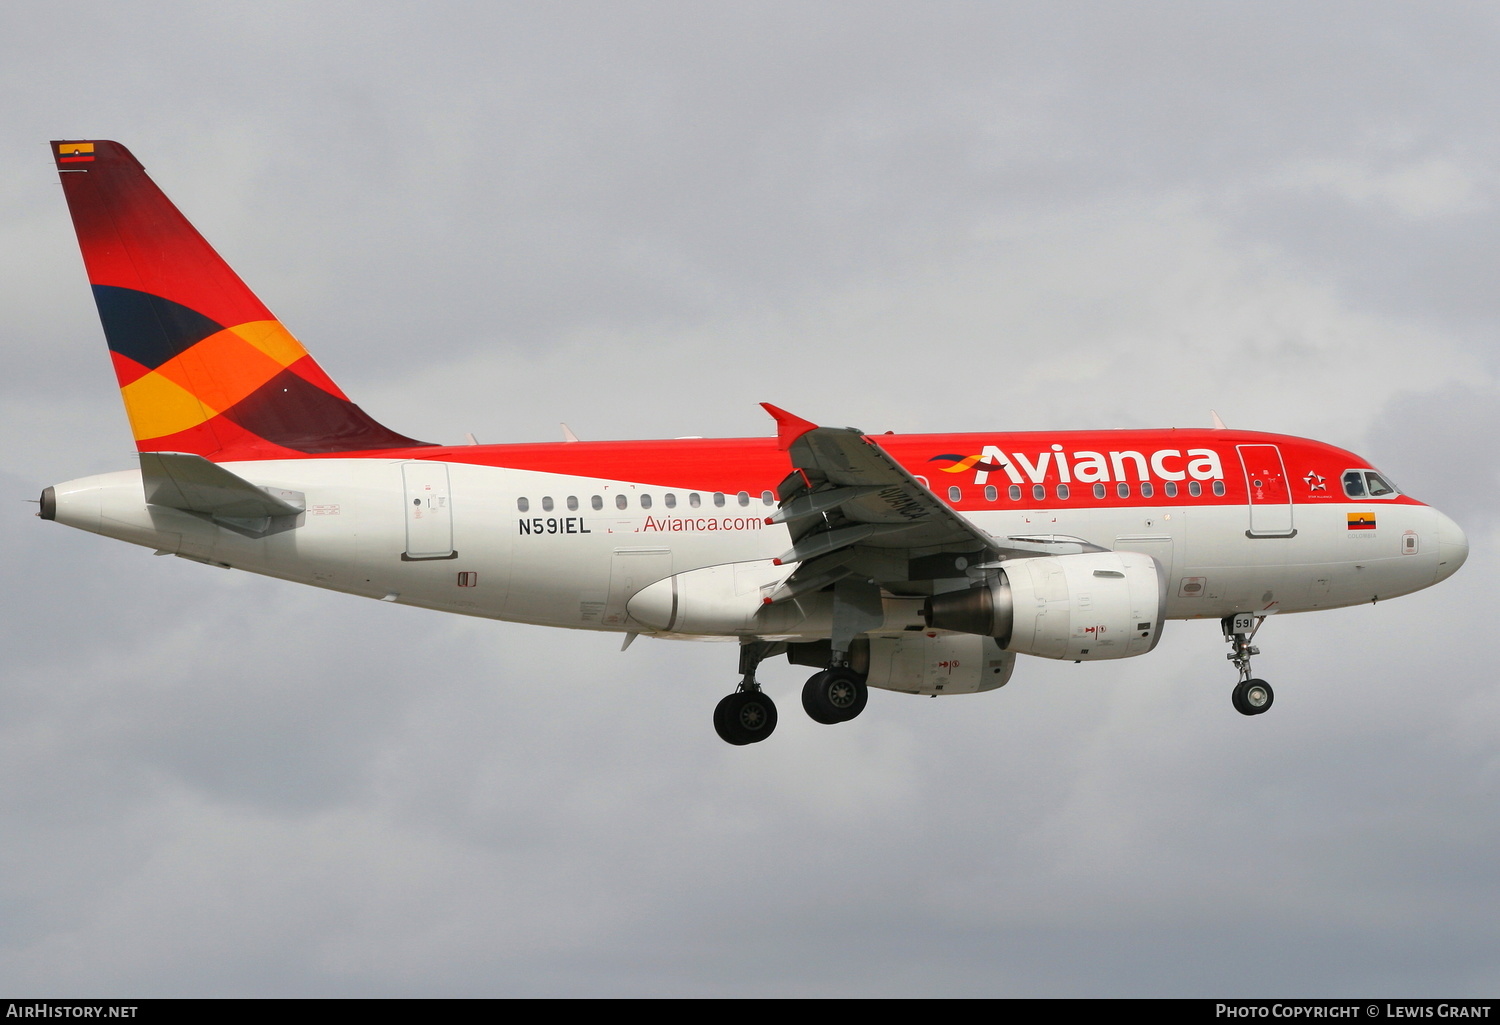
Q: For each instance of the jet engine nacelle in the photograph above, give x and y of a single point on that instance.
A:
(1091, 606)
(920, 662)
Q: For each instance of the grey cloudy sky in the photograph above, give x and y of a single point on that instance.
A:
(642, 219)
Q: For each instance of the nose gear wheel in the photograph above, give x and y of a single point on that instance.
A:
(1250, 696)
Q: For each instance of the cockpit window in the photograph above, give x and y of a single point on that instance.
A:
(1368, 484)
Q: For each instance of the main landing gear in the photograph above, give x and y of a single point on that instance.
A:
(745, 717)
(748, 716)
(838, 693)
(1250, 696)
(835, 695)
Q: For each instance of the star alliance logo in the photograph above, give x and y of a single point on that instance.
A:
(1315, 482)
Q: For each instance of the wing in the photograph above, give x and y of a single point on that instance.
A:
(851, 508)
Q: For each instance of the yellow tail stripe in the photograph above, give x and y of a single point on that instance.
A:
(272, 339)
(158, 407)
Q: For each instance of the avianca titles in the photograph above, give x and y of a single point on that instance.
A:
(922, 564)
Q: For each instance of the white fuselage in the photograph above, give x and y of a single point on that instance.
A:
(453, 537)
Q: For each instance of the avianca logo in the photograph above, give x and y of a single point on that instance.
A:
(962, 463)
(1088, 467)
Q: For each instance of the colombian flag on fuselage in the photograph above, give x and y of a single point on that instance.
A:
(1362, 521)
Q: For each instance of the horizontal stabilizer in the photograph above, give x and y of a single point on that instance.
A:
(179, 480)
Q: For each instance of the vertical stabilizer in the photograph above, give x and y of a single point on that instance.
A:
(204, 367)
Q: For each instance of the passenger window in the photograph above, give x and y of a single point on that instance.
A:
(766, 498)
(645, 501)
(547, 504)
(1062, 492)
(1219, 487)
(744, 498)
(719, 499)
(670, 500)
(596, 503)
(1099, 491)
(1038, 492)
(955, 493)
(572, 503)
(1015, 492)
(1146, 489)
(1194, 488)
(1122, 489)
(620, 501)
(694, 500)
(1171, 487)
(991, 493)
(523, 504)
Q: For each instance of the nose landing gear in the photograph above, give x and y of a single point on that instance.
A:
(1250, 696)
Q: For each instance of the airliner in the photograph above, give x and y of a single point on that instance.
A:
(922, 564)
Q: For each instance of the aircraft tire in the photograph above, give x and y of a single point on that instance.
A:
(1253, 697)
(834, 696)
(745, 717)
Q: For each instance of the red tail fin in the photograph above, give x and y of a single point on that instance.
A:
(203, 366)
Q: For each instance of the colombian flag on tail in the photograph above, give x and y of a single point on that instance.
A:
(203, 366)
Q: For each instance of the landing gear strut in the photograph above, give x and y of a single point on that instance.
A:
(1250, 696)
(838, 693)
(747, 716)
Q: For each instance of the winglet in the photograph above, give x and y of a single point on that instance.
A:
(1218, 424)
(789, 427)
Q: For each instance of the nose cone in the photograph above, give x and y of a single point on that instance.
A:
(655, 605)
(1453, 547)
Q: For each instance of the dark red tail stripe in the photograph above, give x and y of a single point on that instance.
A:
(120, 213)
(289, 411)
(308, 369)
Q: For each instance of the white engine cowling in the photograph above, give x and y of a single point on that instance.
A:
(920, 662)
(1083, 607)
